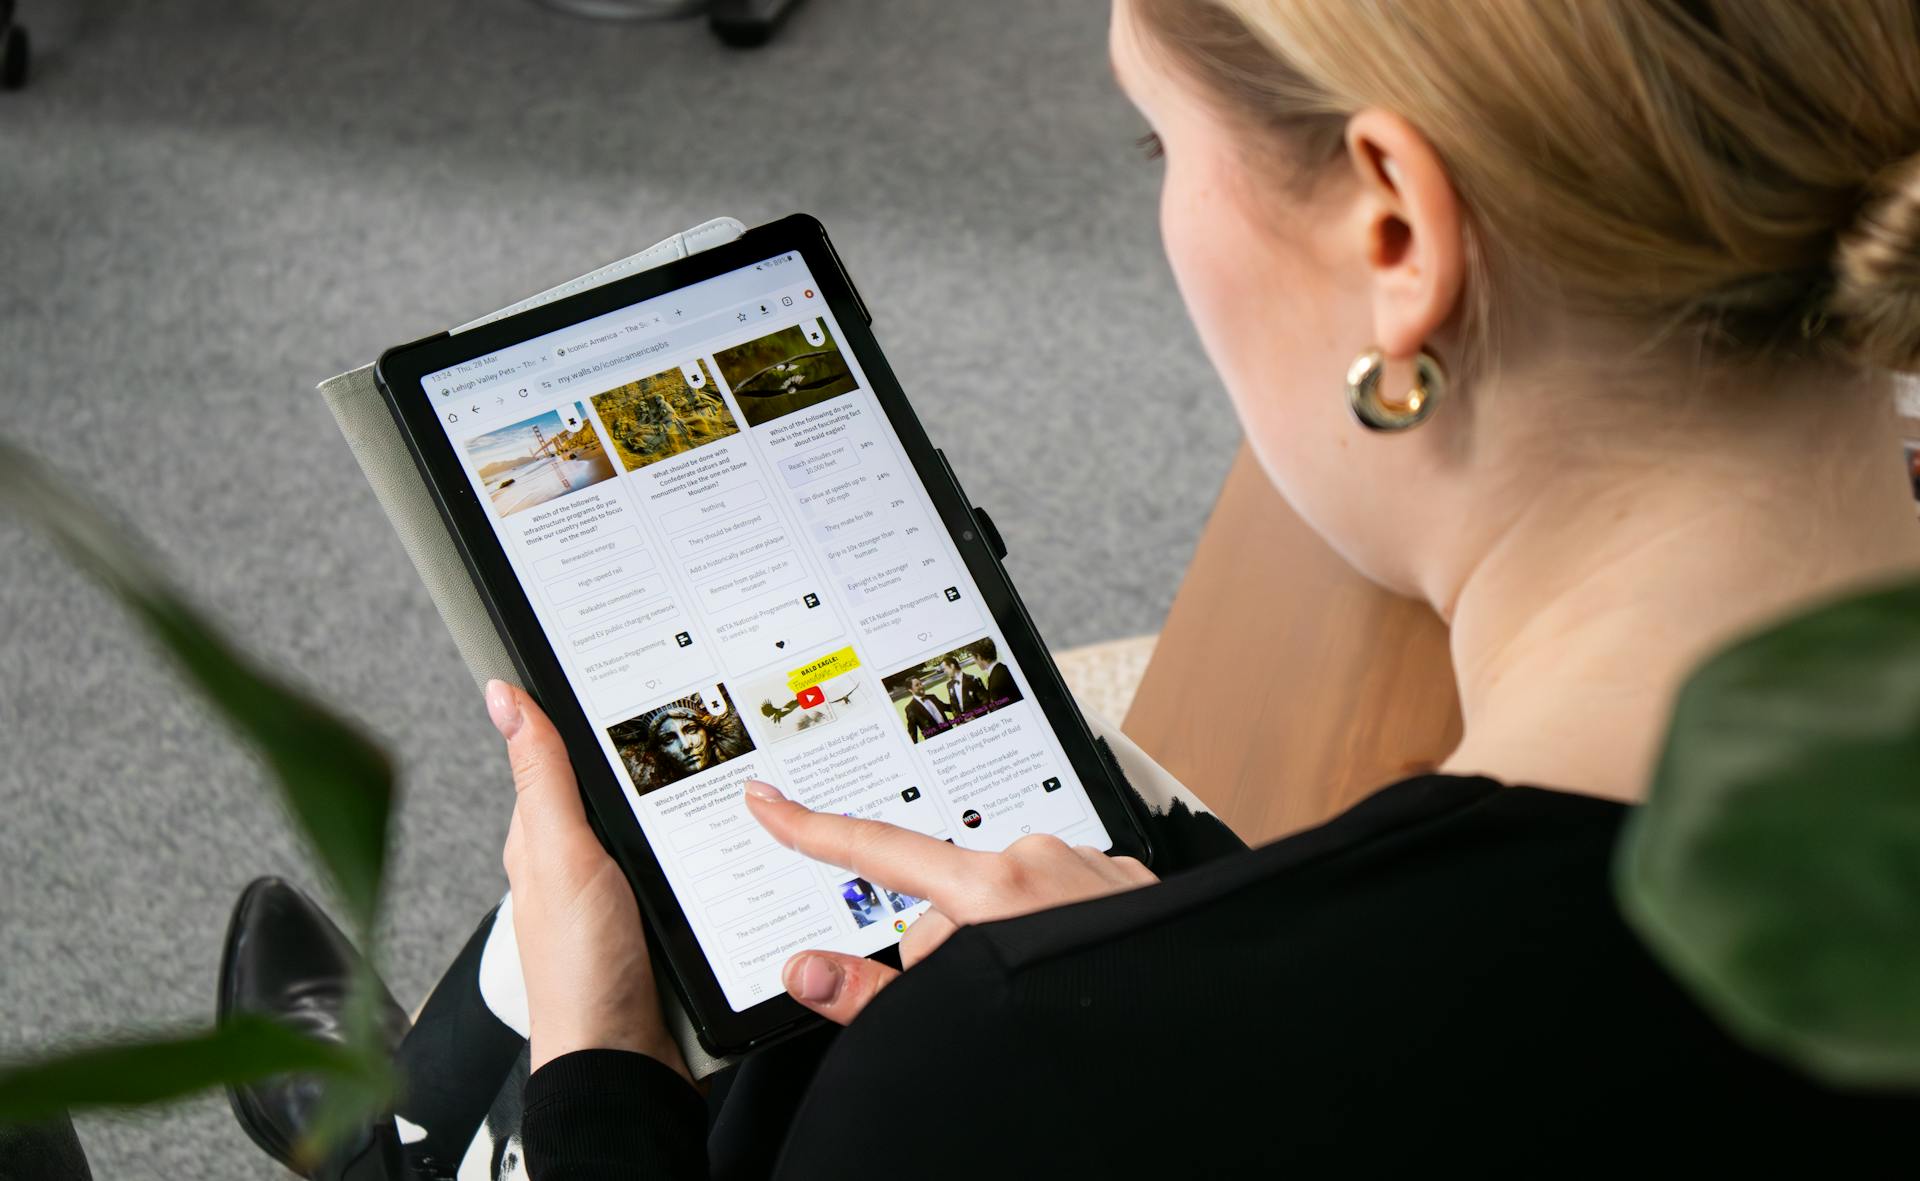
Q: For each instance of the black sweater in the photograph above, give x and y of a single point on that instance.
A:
(1437, 977)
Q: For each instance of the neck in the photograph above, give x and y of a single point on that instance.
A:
(1592, 600)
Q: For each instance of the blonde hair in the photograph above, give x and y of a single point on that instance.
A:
(1743, 172)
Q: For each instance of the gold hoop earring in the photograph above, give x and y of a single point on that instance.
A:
(1376, 413)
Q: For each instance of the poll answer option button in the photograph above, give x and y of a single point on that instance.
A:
(614, 544)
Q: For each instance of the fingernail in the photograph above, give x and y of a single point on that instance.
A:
(814, 979)
(764, 791)
(504, 708)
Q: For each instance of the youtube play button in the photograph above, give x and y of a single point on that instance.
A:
(811, 696)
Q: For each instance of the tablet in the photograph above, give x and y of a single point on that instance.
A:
(719, 546)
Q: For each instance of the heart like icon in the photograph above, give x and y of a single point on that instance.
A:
(1026, 828)
(779, 643)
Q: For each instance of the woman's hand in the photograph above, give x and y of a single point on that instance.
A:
(590, 984)
(964, 885)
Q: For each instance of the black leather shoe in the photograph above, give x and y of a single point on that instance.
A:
(286, 960)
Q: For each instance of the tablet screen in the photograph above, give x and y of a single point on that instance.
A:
(742, 576)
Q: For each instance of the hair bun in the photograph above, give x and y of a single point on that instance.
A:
(1876, 292)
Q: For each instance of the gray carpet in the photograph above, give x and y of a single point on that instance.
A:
(208, 205)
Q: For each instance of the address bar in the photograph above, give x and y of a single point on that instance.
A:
(546, 376)
(612, 362)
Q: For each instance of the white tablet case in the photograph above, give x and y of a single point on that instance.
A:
(388, 465)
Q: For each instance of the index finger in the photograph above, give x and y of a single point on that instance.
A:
(895, 857)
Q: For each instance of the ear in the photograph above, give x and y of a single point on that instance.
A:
(1413, 249)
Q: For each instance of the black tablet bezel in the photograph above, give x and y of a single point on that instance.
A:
(400, 372)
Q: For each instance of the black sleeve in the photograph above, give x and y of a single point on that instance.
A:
(598, 1114)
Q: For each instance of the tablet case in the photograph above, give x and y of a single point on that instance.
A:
(403, 494)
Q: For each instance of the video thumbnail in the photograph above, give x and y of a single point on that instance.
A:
(862, 900)
(776, 711)
(683, 737)
(662, 416)
(785, 371)
(955, 687)
(540, 459)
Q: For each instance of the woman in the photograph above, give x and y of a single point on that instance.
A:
(1575, 319)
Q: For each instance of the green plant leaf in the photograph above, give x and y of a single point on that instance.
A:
(134, 1074)
(335, 781)
(1775, 868)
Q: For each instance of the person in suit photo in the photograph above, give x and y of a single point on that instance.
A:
(927, 715)
(964, 693)
(998, 680)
